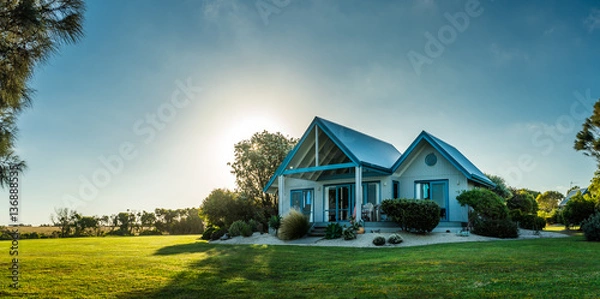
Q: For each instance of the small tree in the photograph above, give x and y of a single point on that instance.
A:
(222, 207)
(63, 219)
(549, 200)
(256, 161)
(523, 201)
(588, 139)
(485, 203)
(579, 208)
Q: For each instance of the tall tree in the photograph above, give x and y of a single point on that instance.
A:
(63, 219)
(502, 189)
(588, 139)
(30, 32)
(549, 200)
(256, 160)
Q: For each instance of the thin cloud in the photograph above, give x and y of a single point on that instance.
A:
(592, 22)
(504, 56)
(549, 31)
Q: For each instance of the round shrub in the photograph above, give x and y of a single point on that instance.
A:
(236, 228)
(379, 241)
(293, 226)
(486, 203)
(591, 227)
(395, 239)
(421, 216)
(247, 231)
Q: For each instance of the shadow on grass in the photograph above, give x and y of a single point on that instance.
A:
(219, 269)
(183, 248)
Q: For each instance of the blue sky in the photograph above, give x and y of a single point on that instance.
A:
(161, 90)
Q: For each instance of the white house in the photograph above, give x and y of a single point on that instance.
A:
(335, 172)
(572, 193)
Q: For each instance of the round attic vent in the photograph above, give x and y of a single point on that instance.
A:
(430, 159)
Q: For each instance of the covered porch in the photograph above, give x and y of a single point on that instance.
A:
(332, 174)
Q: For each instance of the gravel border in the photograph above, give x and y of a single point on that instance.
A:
(366, 240)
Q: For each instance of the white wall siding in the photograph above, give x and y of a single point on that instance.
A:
(417, 170)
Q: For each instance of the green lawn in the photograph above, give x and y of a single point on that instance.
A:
(183, 267)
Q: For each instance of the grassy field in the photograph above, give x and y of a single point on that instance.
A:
(183, 267)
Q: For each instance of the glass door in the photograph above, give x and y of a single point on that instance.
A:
(340, 203)
(439, 196)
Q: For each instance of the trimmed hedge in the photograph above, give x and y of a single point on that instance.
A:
(421, 216)
(503, 229)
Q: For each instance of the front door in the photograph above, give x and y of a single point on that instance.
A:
(340, 203)
(439, 196)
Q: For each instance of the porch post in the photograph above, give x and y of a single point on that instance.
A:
(359, 193)
(281, 191)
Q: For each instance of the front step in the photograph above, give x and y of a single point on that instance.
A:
(317, 231)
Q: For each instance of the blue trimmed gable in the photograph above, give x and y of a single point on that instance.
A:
(453, 155)
(356, 149)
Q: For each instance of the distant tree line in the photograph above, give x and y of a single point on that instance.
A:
(161, 221)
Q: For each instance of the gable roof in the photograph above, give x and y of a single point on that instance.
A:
(359, 148)
(571, 194)
(362, 149)
(451, 154)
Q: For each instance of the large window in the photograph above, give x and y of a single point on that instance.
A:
(340, 200)
(436, 191)
(302, 200)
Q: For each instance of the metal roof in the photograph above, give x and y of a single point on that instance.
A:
(364, 150)
(571, 194)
